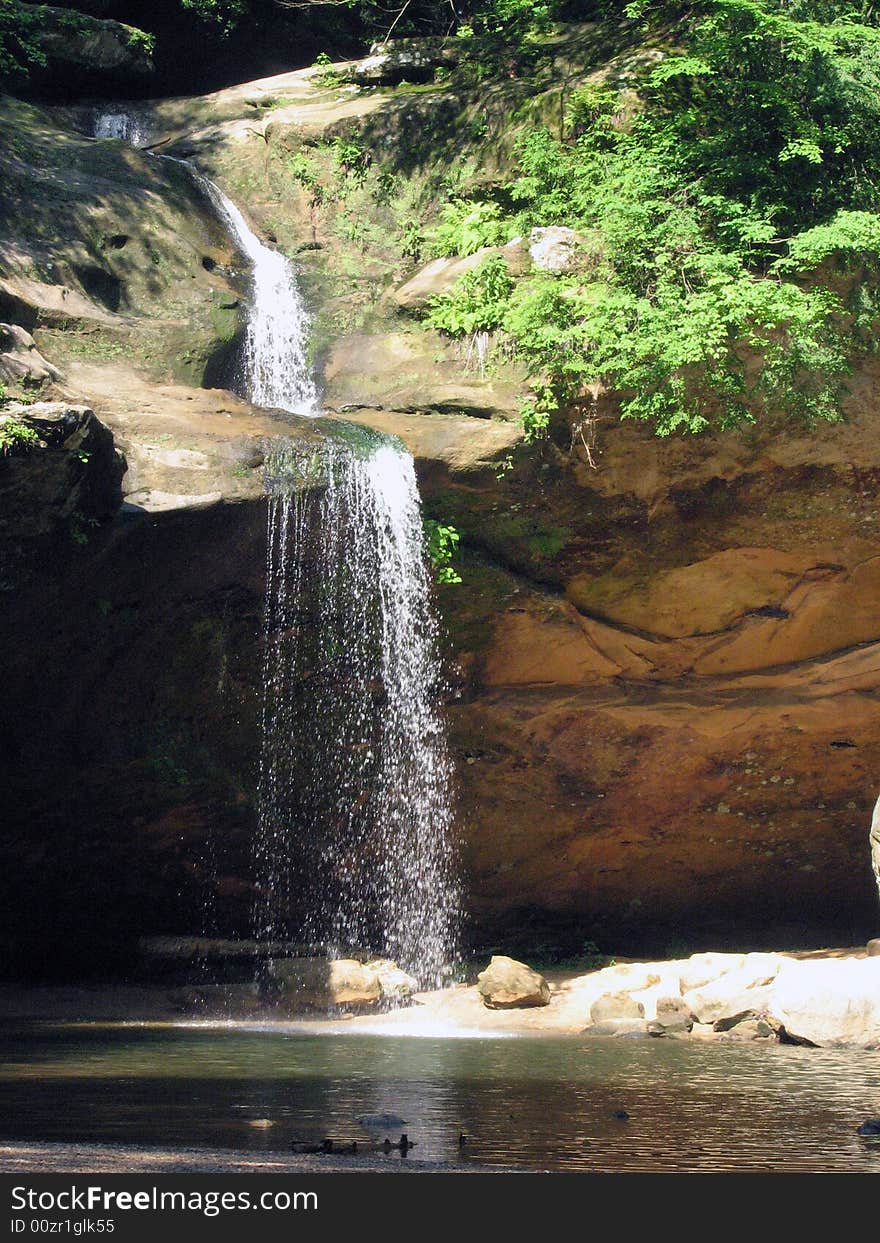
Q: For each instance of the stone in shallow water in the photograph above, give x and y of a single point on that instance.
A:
(507, 984)
(674, 1014)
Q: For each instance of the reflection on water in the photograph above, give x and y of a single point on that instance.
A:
(544, 1104)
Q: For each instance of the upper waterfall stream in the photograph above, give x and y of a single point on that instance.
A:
(354, 838)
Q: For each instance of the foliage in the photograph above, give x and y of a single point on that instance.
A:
(476, 303)
(223, 15)
(16, 437)
(19, 24)
(142, 39)
(465, 226)
(536, 413)
(326, 76)
(441, 545)
(352, 160)
(713, 214)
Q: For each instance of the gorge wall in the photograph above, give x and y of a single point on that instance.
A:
(663, 667)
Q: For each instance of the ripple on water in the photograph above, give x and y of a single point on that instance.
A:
(531, 1103)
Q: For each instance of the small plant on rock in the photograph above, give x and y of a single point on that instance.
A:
(17, 438)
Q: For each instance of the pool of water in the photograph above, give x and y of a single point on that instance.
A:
(530, 1103)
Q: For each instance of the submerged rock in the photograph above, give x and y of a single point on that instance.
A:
(507, 984)
(380, 1121)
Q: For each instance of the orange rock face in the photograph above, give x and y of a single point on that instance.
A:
(669, 723)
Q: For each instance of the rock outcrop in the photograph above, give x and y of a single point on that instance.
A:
(85, 54)
(60, 480)
(403, 60)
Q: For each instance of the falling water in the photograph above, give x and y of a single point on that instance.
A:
(355, 772)
(354, 841)
(123, 125)
(276, 369)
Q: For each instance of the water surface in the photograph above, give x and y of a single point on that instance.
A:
(535, 1104)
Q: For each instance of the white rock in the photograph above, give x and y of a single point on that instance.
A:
(829, 1001)
(737, 993)
(701, 969)
(554, 249)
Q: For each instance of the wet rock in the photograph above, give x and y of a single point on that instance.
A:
(395, 983)
(507, 984)
(829, 1002)
(318, 983)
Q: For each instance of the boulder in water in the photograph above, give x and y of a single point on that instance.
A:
(507, 984)
(674, 1014)
(321, 984)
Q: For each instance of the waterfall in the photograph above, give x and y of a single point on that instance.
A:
(276, 369)
(354, 838)
(355, 769)
(123, 125)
